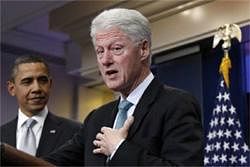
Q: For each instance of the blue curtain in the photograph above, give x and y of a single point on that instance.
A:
(199, 74)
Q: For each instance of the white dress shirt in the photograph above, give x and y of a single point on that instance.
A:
(37, 128)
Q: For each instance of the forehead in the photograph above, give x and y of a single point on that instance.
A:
(111, 35)
(30, 69)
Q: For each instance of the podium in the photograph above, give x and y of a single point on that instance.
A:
(10, 156)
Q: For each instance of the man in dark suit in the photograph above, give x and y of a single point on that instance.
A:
(163, 127)
(30, 82)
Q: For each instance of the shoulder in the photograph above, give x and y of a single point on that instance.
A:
(167, 93)
(9, 124)
(177, 93)
(107, 106)
(102, 112)
(65, 122)
(177, 99)
(8, 130)
(104, 108)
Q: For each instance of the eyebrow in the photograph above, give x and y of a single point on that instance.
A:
(31, 77)
(26, 78)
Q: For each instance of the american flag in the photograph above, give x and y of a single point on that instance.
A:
(225, 144)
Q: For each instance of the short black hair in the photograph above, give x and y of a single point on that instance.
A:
(26, 59)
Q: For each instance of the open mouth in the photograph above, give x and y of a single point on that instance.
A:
(111, 72)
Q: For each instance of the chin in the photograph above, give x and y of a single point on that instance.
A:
(37, 108)
(113, 86)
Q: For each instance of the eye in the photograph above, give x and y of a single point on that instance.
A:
(43, 79)
(99, 52)
(117, 49)
(26, 81)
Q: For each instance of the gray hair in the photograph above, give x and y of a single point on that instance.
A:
(26, 59)
(130, 21)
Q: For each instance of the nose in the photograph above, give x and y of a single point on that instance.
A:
(107, 58)
(36, 87)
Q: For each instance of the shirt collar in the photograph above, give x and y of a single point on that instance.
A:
(40, 117)
(137, 93)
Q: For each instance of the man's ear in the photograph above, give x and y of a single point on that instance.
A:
(145, 50)
(11, 88)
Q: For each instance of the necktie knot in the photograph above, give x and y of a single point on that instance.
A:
(124, 105)
(30, 123)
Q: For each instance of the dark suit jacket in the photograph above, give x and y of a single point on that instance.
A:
(56, 131)
(166, 131)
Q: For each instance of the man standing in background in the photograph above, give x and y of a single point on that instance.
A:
(35, 130)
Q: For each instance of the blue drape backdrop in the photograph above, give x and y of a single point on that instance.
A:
(198, 74)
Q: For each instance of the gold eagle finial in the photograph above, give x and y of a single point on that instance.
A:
(226, 33)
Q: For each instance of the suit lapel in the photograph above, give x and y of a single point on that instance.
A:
(50, 133)
(143, 107)
(114, 111)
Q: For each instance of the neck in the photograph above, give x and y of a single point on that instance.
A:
(31, 113)
(137, 82)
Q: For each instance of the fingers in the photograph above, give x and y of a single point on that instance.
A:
(128, 123)
(100, 137)
(99, 147)
(97, 151)
(97, 143)
(107, 139)
(104, 129)
(101, 150)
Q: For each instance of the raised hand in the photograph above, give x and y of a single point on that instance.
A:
(109, 139)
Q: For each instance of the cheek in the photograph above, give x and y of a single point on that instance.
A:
(132, 64)
(101, 70)
(99, 64)
(127, 71)
(22, 92)
(47, 90)
(21, 97)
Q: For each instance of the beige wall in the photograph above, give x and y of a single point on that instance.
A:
(197, 23)
(91, 98)
(60, 101)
